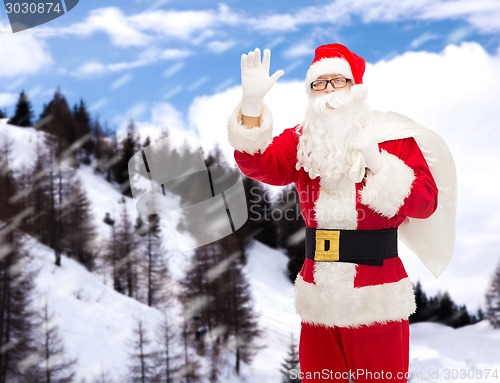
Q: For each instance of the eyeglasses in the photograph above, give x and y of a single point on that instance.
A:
(337, 82)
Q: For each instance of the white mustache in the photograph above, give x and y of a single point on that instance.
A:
(323, 103)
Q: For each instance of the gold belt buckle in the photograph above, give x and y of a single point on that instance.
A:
(327, 245)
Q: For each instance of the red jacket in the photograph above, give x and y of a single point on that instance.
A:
(344, 294)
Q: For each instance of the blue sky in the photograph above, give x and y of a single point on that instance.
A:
(122, 57)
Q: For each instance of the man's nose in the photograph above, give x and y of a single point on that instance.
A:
(329, 88)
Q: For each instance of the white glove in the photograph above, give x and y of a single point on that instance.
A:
(255, 81)
(368, 147)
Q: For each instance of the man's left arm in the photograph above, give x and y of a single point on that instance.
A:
(402, 183)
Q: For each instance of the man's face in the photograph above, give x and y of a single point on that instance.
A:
(328, 83)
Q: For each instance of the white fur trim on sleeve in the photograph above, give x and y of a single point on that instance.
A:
(250, 140)
(386, 191)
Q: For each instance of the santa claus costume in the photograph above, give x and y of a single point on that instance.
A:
(353, 294)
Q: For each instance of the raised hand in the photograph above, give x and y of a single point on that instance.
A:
(255, 81)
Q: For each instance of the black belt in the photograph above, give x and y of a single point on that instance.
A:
(367, 247)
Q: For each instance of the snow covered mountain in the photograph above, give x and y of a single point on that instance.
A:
(95, 321)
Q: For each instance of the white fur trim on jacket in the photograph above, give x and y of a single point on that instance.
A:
(386, 191)
(334, 301)
(250, 140)
(325, 66)
(335, 207)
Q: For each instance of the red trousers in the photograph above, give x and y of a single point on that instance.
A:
(368, 354)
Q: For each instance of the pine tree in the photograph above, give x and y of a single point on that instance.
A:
(127, 148)
(57, 192)
(168, 360)
(462, 318)
(3, 113)
(240, 320)
(44, 117)
(8, 184)
(151, 250)
(493, 300)
(56, 367)
(47, 186)
(57, 204)
(83, 130)
(440, 309)
(142, 368)
(217, 296)
(57, 120)
(78, 241)
(422, 302)
(105, 149)
(17, 319)
(447, 307)
(40, 195)
(23, 114)
(189, 372)
(126, 246)
(290, 366)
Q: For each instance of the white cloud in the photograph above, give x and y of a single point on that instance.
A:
(94, 107)
(220, 46)
(144, 28)
(147, 57)
(483, 15)
(299, 50)
(112, 21)
(7, 99)
(175, 24)
(121, 81)
(22, 54)
(136, 111)
(458, 35)
(173, 69)
(422, 39)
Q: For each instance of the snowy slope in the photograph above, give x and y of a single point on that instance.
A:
(442, 354)
(273, 301)
(95, 321)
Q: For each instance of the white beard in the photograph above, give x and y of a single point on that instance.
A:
(326, 144)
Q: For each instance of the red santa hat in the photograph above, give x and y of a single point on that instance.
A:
(336, 59)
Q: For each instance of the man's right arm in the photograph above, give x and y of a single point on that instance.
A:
(258, 155)
(276, 164)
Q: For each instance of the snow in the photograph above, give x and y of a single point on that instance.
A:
(23, 142)
(273, 301)
(443, 354)
(96, 322)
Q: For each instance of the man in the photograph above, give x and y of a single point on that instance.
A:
(360, 174)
